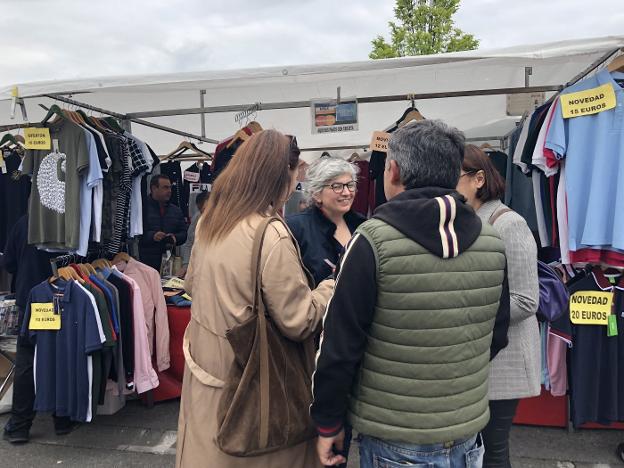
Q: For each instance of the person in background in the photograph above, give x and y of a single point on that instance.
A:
(29, 267)
(163, 223)
(186, 249)
(516, 371)
(421, 305)
(255, 184)
(324, 228)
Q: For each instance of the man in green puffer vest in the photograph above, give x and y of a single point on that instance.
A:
(421, 306)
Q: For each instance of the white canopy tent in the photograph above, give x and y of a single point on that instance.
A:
(150, 96)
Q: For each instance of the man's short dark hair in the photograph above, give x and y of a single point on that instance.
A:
(429, 153)
(155, 181)
(201, 198)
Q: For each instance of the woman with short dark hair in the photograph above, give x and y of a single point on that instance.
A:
(324, 228)
(515, 372)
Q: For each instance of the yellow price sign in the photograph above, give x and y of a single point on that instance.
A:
(42, 317)
(37, 138)
(591, 101)
(590, 307)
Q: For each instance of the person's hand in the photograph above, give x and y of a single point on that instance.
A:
(325, 449)
(159, 236)
(175, 241)
(182, 271)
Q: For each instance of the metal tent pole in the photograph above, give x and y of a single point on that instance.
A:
(362, 100)
(126, 117)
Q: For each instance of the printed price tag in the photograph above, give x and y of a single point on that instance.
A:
(591, 101)
(590, 307)
(379, 142)
(191, 176)
(42, 317)
(37, 138)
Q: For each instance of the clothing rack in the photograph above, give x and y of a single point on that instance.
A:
(123, 118)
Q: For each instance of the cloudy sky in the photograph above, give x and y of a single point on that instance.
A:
(57, 39)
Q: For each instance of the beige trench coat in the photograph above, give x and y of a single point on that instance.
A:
(219, 280)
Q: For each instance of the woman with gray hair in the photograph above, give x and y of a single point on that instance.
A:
(324, 229)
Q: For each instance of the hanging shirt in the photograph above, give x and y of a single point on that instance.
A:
(593, 147)
(145, 377)
(192, 176)
(154, 309)
(61, 365)
(596, 360)
(91, 196)
(14, 193)
(56, 180)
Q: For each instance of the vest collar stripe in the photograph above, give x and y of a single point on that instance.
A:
(451, 226)
(443, 236)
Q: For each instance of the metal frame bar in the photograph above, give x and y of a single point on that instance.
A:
(362, 100)
(126, 117)
(366, 146)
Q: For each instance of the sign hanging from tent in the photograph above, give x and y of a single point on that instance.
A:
(329, 116)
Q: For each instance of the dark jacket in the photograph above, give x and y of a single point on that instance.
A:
(28, 265)
(170, 222)
(315, 234)
(366, 295)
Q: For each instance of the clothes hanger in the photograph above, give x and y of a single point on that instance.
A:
(68, 274)
(54, 110)
(101, 263)
(254, 126)
(239, 135)
(616, 65)
(187, 146)
(8, 138)
(354, 157)
(410, 115)
(121, 257)
(114, 124)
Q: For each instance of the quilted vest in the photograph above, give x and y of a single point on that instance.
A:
(424, 374)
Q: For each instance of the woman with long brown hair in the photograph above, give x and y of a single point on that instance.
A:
(256, 184)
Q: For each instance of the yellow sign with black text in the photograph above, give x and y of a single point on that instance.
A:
(588, 102)
(42, 317)
(590, 307)
(37, 138)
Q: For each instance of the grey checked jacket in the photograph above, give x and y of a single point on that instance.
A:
(516, 371)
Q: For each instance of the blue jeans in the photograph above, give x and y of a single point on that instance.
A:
(376, 453)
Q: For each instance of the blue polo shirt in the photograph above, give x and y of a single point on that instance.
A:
(593, 147)
(61, 374)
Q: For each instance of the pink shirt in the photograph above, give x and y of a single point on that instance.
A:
(145, 377)
(154, 309)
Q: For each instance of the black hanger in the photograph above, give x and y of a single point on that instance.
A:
(113, 124)
(54, 110)
(8, 138)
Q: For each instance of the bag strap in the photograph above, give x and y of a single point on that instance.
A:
(261, 330)
(498, 214)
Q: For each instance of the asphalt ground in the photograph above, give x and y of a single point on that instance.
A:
(140, 437)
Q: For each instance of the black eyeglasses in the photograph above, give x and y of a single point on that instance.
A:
(468, 173)
(338, 187)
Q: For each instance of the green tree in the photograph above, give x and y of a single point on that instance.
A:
(423, 27)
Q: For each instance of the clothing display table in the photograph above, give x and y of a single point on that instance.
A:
(547, 410)
(171, 380)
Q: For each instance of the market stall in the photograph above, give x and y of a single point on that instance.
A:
(489, 94)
